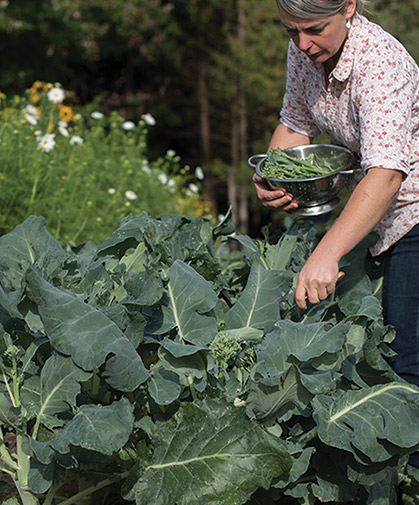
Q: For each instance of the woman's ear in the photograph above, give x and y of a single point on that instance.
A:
(350, 8)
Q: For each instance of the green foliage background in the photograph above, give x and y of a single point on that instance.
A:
(143, 54)
(85, 174)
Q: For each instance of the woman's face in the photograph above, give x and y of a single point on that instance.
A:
(321, 39)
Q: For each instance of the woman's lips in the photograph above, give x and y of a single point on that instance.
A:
(313, 56)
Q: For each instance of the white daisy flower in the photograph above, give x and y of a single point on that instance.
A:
(33, 120)
(97, 115)
(171, 183)
(130, 195)
(76, 139)
(194, 188)
(171, 153)
(47, 142)
(62, 128)
(149, 119)
(32, 110)
(31, 114)
(162, 178)
(199, 173)
(128, 125)
(145, 168)
(56, 95)
(111, 191)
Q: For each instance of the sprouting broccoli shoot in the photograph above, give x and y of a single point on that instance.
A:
(279, 165)
(224, 347)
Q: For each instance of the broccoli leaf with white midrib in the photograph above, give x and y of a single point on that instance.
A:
(186, 307)
(227, 458)
(78, 330)
(367, 418)
(258, 304)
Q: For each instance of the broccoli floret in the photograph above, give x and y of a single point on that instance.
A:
(225, 347)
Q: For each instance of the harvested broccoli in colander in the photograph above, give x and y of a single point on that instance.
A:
(279, 165)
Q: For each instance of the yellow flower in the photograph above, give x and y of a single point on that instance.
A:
(66, 113)
(6, 113)
(35, 96)
(40, 87)
(36, 89)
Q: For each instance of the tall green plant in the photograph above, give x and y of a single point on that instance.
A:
(82, 173)
(168, 369)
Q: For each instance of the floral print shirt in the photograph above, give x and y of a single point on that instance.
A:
(371, 106)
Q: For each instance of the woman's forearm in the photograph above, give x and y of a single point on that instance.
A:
(366, 206)
(364, 209)
(284, 137)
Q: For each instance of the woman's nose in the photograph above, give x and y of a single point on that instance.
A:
(304, 42)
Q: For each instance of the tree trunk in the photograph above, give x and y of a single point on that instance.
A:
(232, 189)
(243, 210)
(205, 134)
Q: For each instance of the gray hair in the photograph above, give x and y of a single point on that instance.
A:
(311, 9)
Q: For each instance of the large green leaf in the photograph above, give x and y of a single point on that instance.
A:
(164, 386)
(356, 285)
(27, 244)
(9, 414)
(364, 420)
(292, 342)
(281, 400)
(331, 481)
(190, 367)
(225, 457)
(99, 428)
(59, 387)
(78, 330)
(258, 304)
(279, 255)
(189, 299)
(129, 234)
(188, 239)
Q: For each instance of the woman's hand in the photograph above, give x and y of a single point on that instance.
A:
(364, 209)
(317, 280)
(273, 198)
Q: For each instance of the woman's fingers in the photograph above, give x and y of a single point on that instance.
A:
(315, 291)
(273, 198)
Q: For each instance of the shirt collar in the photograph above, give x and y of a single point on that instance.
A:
(344, 66)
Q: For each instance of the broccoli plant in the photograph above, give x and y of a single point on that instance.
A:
(163, 366)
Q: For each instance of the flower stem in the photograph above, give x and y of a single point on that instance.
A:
(306, 437)
(33, 192)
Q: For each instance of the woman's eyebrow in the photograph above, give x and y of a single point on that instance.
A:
(317, 26)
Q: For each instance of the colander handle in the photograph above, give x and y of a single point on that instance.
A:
(350, 171)
(356, 167)
(251, 161)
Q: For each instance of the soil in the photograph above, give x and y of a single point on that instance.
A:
(7, 488)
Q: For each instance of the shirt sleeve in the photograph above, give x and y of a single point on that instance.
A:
(295, 113)
(386, 89)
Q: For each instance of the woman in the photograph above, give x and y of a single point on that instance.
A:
(350, 80)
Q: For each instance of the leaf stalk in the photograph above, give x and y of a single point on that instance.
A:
(92, 489)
